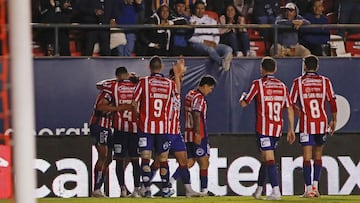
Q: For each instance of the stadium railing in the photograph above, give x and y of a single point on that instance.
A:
(122, 28)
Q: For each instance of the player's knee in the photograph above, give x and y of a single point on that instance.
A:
(163, 157)
(146, 168)
(146, 154)
(190, 163)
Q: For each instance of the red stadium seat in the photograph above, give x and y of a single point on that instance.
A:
(37, 50)
(73, 48)
(353, 44)
(332, 19)
(257, 43)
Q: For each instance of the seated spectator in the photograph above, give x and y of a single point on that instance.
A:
(206, 40)
(264, 12)
(238, 39)
(128, 14)
(316, 39)
(97, 12)
(156, 41)
(349, 13)
(54, 11)
(181, 36)
(288, 44)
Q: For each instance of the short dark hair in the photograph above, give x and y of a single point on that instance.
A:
(155, 63)
(197, 3)
(171, 73)
(134, 78)
(311, 62)
(121, 70)
(207, 80)
(179, 2)
(268, 64)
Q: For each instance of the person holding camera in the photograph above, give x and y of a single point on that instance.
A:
(55, 11)
(102, 12)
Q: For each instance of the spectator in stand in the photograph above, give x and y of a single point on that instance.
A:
(181, 36)
(55, 11)
(349, 12)
(238, 39)
(156, 41)
(128, 15)
(102, 13)
(206, 40)
(265, 12)
(316, 39)
(288, 44)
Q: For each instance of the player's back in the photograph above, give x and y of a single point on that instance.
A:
(271, 96)
(154, 96)
(312, 90)
(123, 92)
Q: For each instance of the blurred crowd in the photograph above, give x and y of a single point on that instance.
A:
(218, 43)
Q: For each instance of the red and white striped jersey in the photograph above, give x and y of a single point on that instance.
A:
(153, 94)
(312, 90)
(122, 93)
(271, 96)
(194, 101)
(174, 119)
(103, 119)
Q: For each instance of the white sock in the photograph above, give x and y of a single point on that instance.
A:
(259, 189)
(308, 188)
(204, 190)
(276, 190)
(188, 188)
(172, 181)
(316, 183)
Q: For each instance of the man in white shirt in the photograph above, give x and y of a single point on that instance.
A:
(206, 40)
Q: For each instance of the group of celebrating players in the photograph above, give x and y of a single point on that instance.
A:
(145, 115)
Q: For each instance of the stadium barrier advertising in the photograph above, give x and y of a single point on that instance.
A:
(65, 90)
(66, 169)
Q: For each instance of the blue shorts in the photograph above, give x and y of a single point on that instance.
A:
(312, 139)
(197, 151)
(101, 135)
(177, 143)
(125, 144)
(267, 142)
(159, 142)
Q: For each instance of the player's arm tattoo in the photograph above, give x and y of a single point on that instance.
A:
(196, 120)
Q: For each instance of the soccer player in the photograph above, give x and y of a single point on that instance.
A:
(100, 130)
(153, 95)
(196, 137)
(311, 91)
(177, 144)
(125, 138)
(271, 96)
